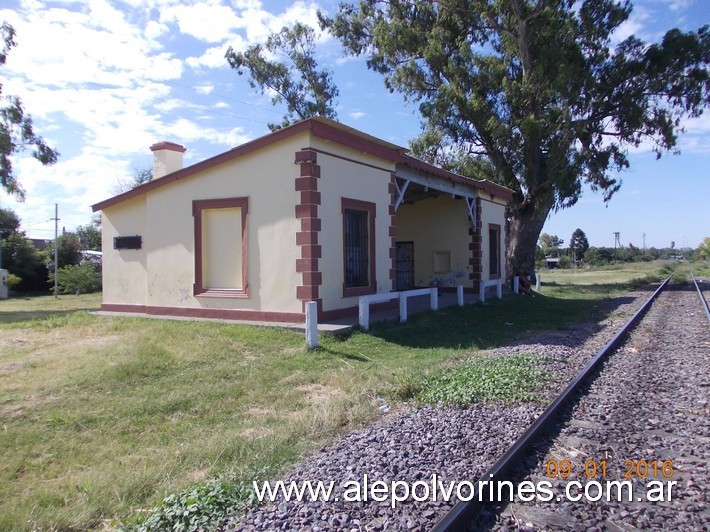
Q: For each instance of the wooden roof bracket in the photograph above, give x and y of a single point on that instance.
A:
(400, 192)
(471, 206)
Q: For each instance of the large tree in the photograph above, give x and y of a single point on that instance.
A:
(550, 244)
(89, 236)
(532, 94)
(9, 222)
(285, 66)
(16, 128)
(578, 244)
(140, 176)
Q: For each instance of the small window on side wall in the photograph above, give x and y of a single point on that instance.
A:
(494, 251)
(127, 242)
(221, 247)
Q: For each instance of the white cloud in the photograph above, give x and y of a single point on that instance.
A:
(356, 115)
(680, 5)
(246, 4)
(697, 135)
(155, 29)
(205, 88)
(52, 49)
(634, 25)
(214, 57)
(249, 17)
(699, 125)
(206, 21)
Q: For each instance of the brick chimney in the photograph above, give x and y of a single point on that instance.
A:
(167, 158)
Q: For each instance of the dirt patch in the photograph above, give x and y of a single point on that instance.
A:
(9, 367)
(14, 342)
(254, 433)
(17, 409)
(197, 475)
(317, 394)
(260, 413)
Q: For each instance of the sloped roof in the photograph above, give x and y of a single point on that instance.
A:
(320, 127)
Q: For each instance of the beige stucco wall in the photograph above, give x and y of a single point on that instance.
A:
(493, 213)
(266, 177)
(124, 271)
(348, 179)
(437, 224)
(162, 274)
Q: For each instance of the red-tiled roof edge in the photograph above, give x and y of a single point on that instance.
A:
(483, 184)
(321, 127)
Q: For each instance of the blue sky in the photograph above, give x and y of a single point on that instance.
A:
(105, 79)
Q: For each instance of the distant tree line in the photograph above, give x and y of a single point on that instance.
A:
(32, 269)
(579, 252)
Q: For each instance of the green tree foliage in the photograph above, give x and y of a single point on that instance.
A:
(16, 129)
(19, 256)
(704, 248)
(139, 177)
(293, 77)
(89, 237)
(578, 244)
(9, 222)
(550, 244)
(78, 279)
(531, 94)
(68, 246)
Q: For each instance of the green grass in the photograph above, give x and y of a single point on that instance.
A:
(604, 281)
(101, 418)
(505, 379)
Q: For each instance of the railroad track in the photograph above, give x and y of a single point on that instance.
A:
(662, 365)
(703, 300)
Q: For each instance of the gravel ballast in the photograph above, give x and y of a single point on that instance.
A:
(455, 444)
(648, 404)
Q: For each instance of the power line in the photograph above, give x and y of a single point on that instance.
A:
(27, 224)
(214, 94)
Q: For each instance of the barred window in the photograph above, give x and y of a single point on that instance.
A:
(358, 247)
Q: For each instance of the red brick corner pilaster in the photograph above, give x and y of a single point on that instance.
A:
(307, 237)
(506, 244)
(393, 232)
(476, 260)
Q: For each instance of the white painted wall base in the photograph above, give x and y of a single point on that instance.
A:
(3, 284)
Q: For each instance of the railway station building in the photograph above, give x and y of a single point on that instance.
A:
(317, 211)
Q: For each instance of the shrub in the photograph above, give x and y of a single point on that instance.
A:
(13, 281)
(200, 507)
(78, 279)
(564, 262)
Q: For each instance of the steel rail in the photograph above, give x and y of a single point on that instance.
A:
(702, 297)
(463, 513)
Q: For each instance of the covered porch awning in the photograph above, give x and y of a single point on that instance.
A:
(415, 185)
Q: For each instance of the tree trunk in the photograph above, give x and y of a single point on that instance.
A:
(525, 226)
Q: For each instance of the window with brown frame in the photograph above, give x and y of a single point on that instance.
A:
(221, 247)
(494, 251)
(358, 247)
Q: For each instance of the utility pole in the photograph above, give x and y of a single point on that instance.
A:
(644, 241)
(617, 239)
(56, 250)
